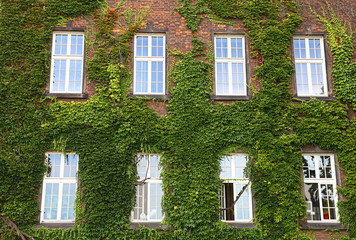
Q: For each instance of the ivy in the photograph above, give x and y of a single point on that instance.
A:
(340, 40)
(192, 14)
(110, 128)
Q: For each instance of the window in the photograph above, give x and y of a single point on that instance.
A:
(67, 63)
(310, 66)
(234, 179)
(230, 74)
(320, 187)
(149, 64)
(148, 194)
(59, 188)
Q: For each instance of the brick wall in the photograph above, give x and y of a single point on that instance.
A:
(324, 235)
(179, 37)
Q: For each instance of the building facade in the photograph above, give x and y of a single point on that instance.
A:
(217, 115)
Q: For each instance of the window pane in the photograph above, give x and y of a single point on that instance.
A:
(142, 166)
(68, 197)
(222, 78)
(59, 75)
(138, 212)
(317, 78)
(142, 46)
(299, 48)
(155, 169)
(225, 168)
(77, 43)
(236, 48)
(157, 46)
(157, 77)
(327, 195)
(243, 204)
(238, 82)
(309, 166)
(223, 202)
(221, 48)
(54, 163)
(240, 165)
(156, 194)
(51, 201)
(75, 76)
(325, 167)
(311, 192)
(314, 48)
(302, 78)
(70, 165)
(141, 77)
(305, 167)
(61, 42)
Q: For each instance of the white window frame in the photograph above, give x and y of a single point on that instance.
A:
(229, 60)
(319, 181)
(237, 181)
(310, 61)
(57, 180)
(67, 58)
(149, 181)
(150, 59)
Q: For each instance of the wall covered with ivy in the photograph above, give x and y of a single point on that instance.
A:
(110, 128)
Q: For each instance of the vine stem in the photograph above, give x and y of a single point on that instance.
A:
(15, 228)
(237, 197)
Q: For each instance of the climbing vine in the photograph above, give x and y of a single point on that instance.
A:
(25, 33)
(110, 128)
(340, 40)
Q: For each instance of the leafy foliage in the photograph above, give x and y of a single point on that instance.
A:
(110, 128)
(340, 40)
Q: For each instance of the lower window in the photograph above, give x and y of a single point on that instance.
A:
(234, 179)
(59, 188)
(148, 193)
(320, 187)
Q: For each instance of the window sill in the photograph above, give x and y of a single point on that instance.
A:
(150, 96)
(230, 98)
(153, 225)
(68, 95)
(56, 225)
(322, 225)
(328, 98)
(241, 224)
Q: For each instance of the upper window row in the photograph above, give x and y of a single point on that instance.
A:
(150, 65)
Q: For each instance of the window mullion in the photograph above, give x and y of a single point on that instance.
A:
(229, 64)
(148, 201)
(320, 202)
(69, 42)
(323, 69)
(60, 196)
(230, 76)
(149, 73)
(44, 188)
(310, 81)
(66, 81)
(316, 164)
(61, 173)
(228, 47)
(233, 174)
(245, 77)
(149, 46)
(335, 200)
